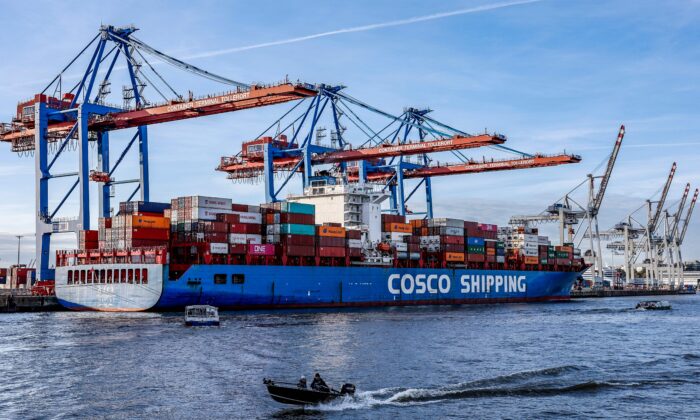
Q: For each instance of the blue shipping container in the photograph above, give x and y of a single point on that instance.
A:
(299, 208)
(475, 241)
(293, 229)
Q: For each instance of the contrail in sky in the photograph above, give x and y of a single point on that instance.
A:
(365, 28)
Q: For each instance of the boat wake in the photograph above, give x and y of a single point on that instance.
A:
(536, 383)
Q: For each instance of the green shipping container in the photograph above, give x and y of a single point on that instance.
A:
(475, 249)
(293, 229)
(500, 245)
(551, 254)
(561, 254)
(543, 261)
(299, 208)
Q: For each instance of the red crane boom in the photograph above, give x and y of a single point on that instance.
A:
(174, 110)
(474, 167)
(369, 153)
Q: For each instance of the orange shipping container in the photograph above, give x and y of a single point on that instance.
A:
(531, 260)
(490, 251)
(397, 227)
(150, 222)
(454, 256)
(332, 231)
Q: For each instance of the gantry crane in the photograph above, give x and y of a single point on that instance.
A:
(569, 213)
(55, 118)
(668, 252)
(383, 155)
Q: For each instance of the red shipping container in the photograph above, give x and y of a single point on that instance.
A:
(353, 234)
(298, 219)
(299, 250)
(88, 236)
(475, 257)
(452, 247)
(491, 258)
(354, 252)
(239, 207)
(247, 228)
(237, 248)
(216, 237)
(261, 249)
(216, 227)
(148, 233)
(330, 241)
(331, 251)
(228, 218)
(449, 239)
(302, 240)
(393, 218)
(144, 243)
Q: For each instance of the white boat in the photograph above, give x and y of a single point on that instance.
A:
(652, 305)
(201, 315)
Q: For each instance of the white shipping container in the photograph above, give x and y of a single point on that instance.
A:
(250, 218)
(401, 246)
(242, 238)
(211, 202)
(272, 229)
(529, 252)
(272, 239)
(354, 243)
(237, 238)
(254, 239)
(425, 240)
(218, 248)
(458, 223)
(204, 213)
(395, 236)
(500, 258)
(454, 231)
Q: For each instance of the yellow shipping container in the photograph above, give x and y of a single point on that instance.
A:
(152, 222)
(454, 256)
(332, 231)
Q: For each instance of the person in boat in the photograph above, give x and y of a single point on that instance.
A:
(319, 384)
(302, 382)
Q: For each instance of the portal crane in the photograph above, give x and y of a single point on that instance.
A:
(569, 213)
(382, 155)
(54, 118)
(596, 200)
(681, 237)
(654, 220)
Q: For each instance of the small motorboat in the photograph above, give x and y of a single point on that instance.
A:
(201, 316)
(654, 305)
(287, 393)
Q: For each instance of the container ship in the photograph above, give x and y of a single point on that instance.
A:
(329, 247)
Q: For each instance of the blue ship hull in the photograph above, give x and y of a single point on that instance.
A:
(249, 287)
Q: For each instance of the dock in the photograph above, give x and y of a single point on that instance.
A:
(602, 293)
(24, 302)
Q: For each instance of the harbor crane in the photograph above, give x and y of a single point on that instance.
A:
(569, 213)
(383, 156)
(57, 117)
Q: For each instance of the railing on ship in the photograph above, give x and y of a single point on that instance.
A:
(155, 255)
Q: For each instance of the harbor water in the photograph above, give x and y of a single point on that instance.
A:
(579, 359)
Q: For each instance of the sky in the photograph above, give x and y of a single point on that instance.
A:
(552, 75)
